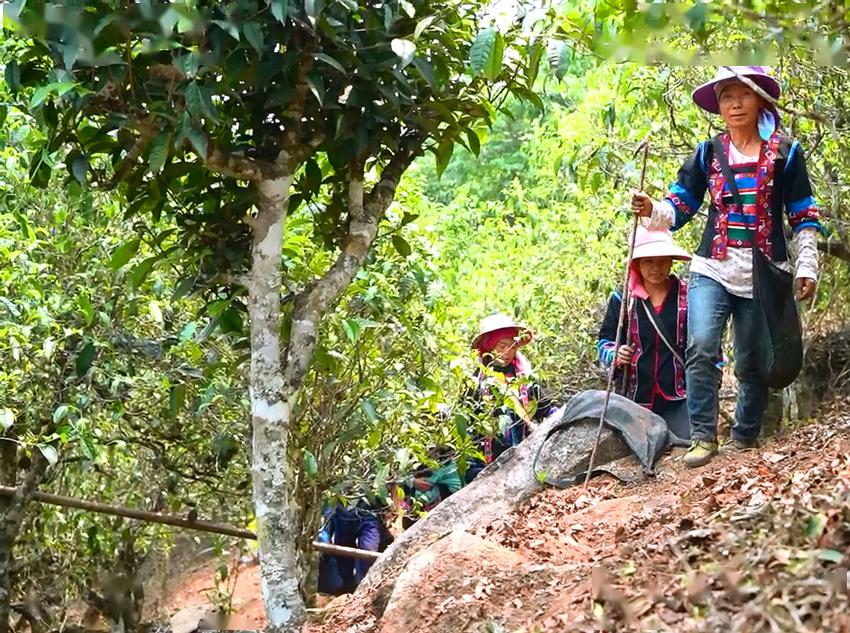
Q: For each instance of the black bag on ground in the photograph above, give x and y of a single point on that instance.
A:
(776, 322)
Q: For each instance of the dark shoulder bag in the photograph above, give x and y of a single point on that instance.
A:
(778, 336)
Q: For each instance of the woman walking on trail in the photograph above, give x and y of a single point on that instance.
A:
(770, 180)
(657, 328)
(504, 386)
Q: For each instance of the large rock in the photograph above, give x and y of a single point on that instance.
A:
(455, 560)
(504, 486)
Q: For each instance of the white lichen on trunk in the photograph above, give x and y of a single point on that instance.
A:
(274, 475)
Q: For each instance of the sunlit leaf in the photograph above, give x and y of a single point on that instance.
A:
(405, 49)
(486, 53)
(86, 308)
(60, 413)
(7, 419)
(124, 253)
(280, 9)
(311, 466)
(330, 61)
(50, 453)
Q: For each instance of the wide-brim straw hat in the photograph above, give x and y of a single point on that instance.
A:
(657, 244)
(706, 95)
(501, 321)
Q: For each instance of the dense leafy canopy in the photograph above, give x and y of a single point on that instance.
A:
(145, 127)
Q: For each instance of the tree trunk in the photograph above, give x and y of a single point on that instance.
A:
(8, 470)
(12, 515)
(273, 472)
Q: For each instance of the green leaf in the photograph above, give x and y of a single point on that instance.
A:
(194, 100)
(443, 154)
(529, 95)
(474, 141)
(254, 34)
(408, 217)
(532, 67)
(88, 446)
(369, 410)
(231, 321)
(12, 75)
(405, 49)
(60, 88)
(7, 419)
(50, 453)
(39, 96)
(182, 130)
(176, 400)
(831, 555)
(86, 308)
(401, 245)
(141, 271)
(486, 53)
(816, 525)
(159, 152)
(183, 288)
(311, 466)
(423, 24)
(4, 111)
(229, 28)
(124, 253)
(330, 61)
(352, 328)
(80, 167)
(312, 176)
(198, 140)
(426, 69)
(188, 331)
(313, 8)
(85, 359)
(60, 413)
(280, 8)
(10, 306)
(317, 87)
(697, 16)
(559, 59)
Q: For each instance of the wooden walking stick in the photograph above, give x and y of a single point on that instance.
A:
(621, 321)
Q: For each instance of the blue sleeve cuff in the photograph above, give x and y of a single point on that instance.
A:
(810, 224)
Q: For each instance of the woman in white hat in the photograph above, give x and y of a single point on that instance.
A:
(770, 175)
(656, 325)
(504, 385)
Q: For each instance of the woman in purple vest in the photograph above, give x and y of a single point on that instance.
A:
(773, 184)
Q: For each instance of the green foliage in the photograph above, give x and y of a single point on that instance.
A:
(123, 334)
(107, 381)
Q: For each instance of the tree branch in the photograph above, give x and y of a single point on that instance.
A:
(835, 248)
(16, 510)
(365, 211)
(240, 167)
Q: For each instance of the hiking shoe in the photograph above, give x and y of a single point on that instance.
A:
(736, 446)
(700, 453)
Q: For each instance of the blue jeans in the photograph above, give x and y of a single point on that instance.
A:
(351, 528)
(709, 309)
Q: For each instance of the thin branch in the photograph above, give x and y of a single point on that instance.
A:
(240, 167)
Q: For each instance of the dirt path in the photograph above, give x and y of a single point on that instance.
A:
(752, 542)
(192, 599)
